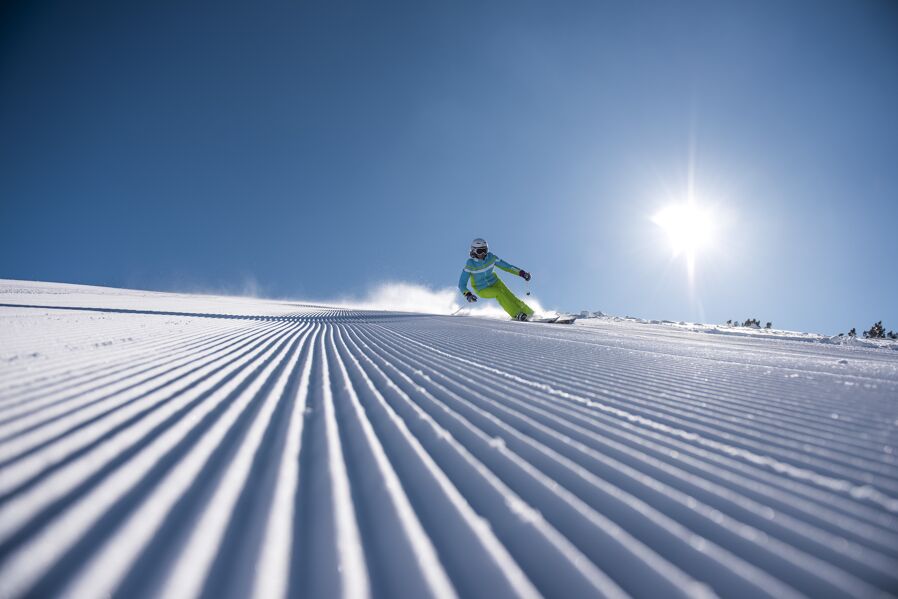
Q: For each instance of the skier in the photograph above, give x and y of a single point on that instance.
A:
(479, 269)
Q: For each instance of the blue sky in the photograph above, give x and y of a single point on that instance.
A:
(319, 148)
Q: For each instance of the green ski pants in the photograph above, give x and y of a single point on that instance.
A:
(508, 300)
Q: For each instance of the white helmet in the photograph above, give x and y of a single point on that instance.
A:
(479, 248)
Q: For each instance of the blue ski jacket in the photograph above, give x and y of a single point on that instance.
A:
(480, 272)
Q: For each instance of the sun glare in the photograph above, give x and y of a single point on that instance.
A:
(689, 228)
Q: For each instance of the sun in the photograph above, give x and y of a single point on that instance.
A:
(689, 228)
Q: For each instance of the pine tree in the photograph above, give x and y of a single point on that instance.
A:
(875, 332)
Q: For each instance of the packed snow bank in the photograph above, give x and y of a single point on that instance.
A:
(750, 331)
(173, 445)
(67, 295)
(849, 341)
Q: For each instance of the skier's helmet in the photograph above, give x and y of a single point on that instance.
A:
(479, 248)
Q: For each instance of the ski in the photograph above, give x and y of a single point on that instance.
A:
(543, 319)
(559, 319)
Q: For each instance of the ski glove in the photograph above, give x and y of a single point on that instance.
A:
(524, 275)
(470, 296)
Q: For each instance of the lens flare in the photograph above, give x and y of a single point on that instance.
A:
(689, 229)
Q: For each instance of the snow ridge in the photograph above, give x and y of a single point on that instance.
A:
(199, 446)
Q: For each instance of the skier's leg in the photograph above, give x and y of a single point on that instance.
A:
(496, 291)
(510, 301)
(488, 292)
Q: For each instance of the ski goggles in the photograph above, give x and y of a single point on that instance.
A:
(480, 251)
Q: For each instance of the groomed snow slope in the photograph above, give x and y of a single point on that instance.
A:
(192, 445)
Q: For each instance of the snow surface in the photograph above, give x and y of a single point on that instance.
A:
(164, 444)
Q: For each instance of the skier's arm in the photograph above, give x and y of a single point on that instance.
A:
(463, 286)
(512, 268)
(506, 266)
(463, 281)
